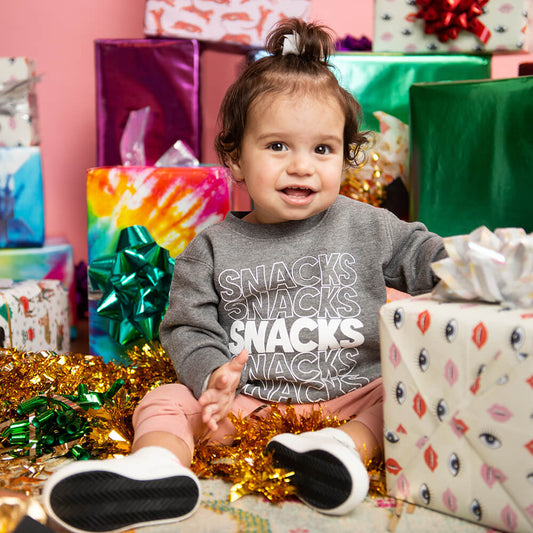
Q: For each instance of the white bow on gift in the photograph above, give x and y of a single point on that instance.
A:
(486, 266)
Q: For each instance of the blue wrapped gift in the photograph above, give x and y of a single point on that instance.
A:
(21, 197)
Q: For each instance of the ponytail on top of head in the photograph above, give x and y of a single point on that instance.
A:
(313, 42)
(297, 61)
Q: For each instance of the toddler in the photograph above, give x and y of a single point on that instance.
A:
(276, 305)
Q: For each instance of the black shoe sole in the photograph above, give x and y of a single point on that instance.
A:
(98, 501)
(321, 480)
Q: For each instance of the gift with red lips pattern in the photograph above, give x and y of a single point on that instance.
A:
(450, 26)
(458, 380)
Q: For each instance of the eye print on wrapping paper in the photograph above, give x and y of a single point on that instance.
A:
(517, 341)
(441, 409)
(475, 510)
(450, 331)
(425, 494)
(391, 436)
(423, 360)
(454, 464)
(398, 318)
(490, 440)
(400, 392)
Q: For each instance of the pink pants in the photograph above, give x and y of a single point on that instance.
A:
(173, 409)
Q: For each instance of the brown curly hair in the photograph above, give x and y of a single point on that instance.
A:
(308, 71)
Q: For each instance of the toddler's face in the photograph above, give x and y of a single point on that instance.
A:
(291, 156)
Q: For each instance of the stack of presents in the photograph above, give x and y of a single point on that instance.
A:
(37, 289)
(453, 148)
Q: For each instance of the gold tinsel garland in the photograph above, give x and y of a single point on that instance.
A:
(243, 463)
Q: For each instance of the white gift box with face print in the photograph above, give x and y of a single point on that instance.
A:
(458, 382)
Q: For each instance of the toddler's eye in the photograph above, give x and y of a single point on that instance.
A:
(323, 149)
(454, 464)
(488, 439)
(277, 147)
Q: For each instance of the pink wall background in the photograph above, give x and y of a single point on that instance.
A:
(60, 36)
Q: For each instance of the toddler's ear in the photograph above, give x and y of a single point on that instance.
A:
(235, 167)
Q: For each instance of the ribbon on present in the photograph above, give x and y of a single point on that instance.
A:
(491, 267)
(14, 93)
(135, 282)
(447, 18)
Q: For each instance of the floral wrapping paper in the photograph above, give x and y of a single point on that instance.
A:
(230, 21)
(21, 197)
(19, 123)
(458, 381)
(173, 204)
(34, 316)
(501, 26)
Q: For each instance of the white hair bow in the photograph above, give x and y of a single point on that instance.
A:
(291, 44)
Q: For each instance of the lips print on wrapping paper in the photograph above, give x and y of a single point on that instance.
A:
(470, 453)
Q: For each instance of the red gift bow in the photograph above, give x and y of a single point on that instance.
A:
(447, 18)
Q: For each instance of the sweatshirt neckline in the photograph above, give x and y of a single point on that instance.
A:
(279, 230)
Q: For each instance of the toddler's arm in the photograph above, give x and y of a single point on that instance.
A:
(217, 400)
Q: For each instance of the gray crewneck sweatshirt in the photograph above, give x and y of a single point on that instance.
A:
(301, 296)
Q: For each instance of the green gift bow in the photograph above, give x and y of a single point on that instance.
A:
(135, 282)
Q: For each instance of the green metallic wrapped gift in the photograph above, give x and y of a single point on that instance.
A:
(381, 82)
(472, 155)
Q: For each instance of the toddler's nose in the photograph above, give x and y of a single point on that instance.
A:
(300, 164)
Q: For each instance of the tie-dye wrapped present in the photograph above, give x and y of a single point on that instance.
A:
(19, 124)
(458, 379)
(21, 197)
(230, 21)
(34, 316)
(173, 205)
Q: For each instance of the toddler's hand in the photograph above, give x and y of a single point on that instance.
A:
(217, 400)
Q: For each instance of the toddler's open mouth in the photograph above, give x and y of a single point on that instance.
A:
(297, 192)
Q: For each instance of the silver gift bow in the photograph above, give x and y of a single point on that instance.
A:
(13, 94)
(489, 267)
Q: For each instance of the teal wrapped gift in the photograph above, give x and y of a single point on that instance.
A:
(133, 285)
(381, 82)
(472, 155)
(21, 197)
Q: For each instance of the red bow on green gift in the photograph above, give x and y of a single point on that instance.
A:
(447, 18)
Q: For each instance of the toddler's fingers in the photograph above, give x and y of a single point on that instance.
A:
(239, 361)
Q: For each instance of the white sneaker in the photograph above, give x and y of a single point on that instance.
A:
(329, 475)
(149, 487)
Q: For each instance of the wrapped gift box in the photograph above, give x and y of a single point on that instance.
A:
(173, 204)
(472, 154)
(132, 74)
(231, 21)
(53, 260)
(34, 316)
(21, 197)
(498, 26)
(458, 380)
(19, 123)
(369, 77)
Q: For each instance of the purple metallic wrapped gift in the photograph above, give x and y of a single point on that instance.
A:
(135, 73)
